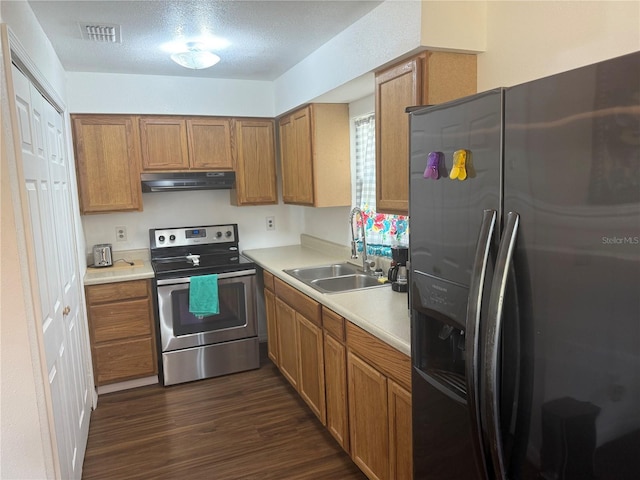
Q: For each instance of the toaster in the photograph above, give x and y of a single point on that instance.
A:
(102, 255)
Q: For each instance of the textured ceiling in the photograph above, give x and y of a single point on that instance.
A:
(265, 38)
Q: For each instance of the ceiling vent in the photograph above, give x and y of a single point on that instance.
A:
(106, 32)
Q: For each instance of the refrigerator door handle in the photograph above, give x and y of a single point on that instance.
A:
(472, 332)
(492, 344)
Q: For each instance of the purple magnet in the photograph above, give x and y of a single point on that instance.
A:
(433, 165)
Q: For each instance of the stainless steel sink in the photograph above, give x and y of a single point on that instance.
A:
(335, 278)
(324, 271)
(346, 282)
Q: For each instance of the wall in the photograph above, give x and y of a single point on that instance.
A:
(154, 94)
(385, 33)
(459, 26)
(25, 444)
(528, 40)
(181, 209)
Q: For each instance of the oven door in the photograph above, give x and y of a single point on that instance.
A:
(180, 329)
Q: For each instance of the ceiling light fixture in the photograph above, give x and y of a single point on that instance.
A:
(195, 57)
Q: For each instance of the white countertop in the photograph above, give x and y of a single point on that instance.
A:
(380, 311)
(121, 271)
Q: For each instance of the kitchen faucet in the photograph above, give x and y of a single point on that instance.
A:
(366, 265)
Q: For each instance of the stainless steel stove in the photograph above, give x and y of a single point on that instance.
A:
(194, 347)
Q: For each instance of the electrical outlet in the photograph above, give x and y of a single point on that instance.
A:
(121, 234)
(271, 223)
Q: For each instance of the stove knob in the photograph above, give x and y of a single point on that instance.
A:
(228, 234)
(218, 234)
(172, 237)
(161, 238)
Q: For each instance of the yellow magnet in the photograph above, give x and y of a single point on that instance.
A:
(459, 170)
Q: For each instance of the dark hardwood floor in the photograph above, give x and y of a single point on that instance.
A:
(250, 425)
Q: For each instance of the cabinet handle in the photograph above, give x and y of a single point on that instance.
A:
(66, 311)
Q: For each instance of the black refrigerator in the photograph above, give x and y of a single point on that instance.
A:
(525, 279)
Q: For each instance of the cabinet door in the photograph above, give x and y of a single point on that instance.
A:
(304, 157)
(287, 341)
(107, 151)
(368, 418)
(164, 143)
(396, 89)
(296, 157)
(122, 332)
(400, 440)
(124, 360)
(209, 142)
(287, 159)
(335, 374)
(255, 162)
(311, 366)
(272, 326)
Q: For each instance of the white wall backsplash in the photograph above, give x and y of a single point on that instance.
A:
(331, 224)
(184, 209)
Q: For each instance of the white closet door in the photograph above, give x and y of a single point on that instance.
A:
(46, 176)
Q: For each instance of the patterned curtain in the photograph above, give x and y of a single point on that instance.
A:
(366, 162)
(382, 230)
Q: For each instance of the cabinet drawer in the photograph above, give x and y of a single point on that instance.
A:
(387, 359)
(115, 292)
(306, 306)
(122, 320)
(125, 360)
(268, 280)
(333, 323)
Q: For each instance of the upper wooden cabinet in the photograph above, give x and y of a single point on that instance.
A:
(107, 150)
(209, 141)
(164, 143)
(185, 143)
(426, 79)
(254, 151)
(314, 153)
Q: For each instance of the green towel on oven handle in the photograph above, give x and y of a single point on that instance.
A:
(203, 295)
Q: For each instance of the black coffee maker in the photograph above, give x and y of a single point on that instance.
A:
(398, 272)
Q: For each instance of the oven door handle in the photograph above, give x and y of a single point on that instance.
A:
(221, 276)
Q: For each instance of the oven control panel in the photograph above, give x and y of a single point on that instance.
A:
(182, 237)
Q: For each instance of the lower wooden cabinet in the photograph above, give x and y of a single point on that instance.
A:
(287, 342)
(122, 331)
(368, 418)
(300, 349)
(379, 407)
(400, 432)
(335, 375)
(357, 385)
(272, 332)
(311, 363)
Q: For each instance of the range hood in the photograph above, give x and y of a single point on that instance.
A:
(175, 182)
